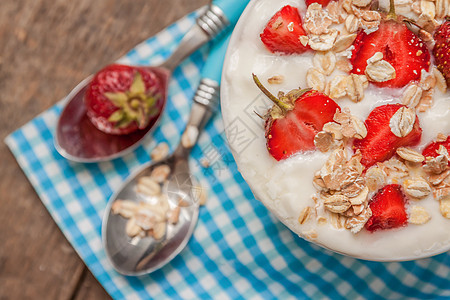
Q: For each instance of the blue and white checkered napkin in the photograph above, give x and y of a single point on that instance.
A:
(238, 250)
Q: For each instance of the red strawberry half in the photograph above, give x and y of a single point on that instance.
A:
(441, 49)
(405, 51)
(380, 143)
(283, 31)
(430, 150)
(121, 99)
(388, 209)
(295, 119)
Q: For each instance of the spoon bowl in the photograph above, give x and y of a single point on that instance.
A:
(136, 256)
(77, 139)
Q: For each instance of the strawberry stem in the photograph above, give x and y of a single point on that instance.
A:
(262, 118)
(391, 14)
(283, 106)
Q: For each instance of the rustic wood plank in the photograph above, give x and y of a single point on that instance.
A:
(35, 258)
(46, 48)
(89, 288)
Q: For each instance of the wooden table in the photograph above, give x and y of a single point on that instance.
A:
(46, 48)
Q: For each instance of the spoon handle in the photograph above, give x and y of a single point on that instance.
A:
(206, 98)
(220, 15)
(231, 8)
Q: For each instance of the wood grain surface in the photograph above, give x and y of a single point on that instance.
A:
(46, 48)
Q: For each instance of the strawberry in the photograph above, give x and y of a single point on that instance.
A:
(441, 50)
(430, 149)
(380, 143)
(388, 209)
(295, 119)
(324, 3)
(122, 99)
(400, 47)
(283, 30)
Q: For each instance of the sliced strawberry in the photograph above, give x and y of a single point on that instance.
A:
(388, 209)
(122, 99)
(295, 119)
(322, 2)
(295, 131)
(441, 50)
(405, 51)
(430, 150)
(380, 143)
(283, 31)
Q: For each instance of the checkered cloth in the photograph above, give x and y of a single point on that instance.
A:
(238, 250)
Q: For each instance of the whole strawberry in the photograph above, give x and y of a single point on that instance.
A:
(441, 50)
(122, 99)
(295, 119)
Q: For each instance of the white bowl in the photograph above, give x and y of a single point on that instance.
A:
(286, 198)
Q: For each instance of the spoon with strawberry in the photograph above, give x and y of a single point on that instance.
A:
(131, 257)
(110, 113)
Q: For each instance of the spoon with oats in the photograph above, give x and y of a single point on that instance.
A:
(152, 216)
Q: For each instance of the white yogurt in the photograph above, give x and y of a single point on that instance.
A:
(285, 187)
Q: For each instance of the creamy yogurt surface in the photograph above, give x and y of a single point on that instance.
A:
(285, 187)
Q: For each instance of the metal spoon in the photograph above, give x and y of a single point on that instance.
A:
(136, 256)
(78, 140)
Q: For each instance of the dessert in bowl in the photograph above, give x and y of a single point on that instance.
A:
(338, 118)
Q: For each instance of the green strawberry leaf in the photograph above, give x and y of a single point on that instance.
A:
(118, 99)
(116, 116)
(138, 85)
